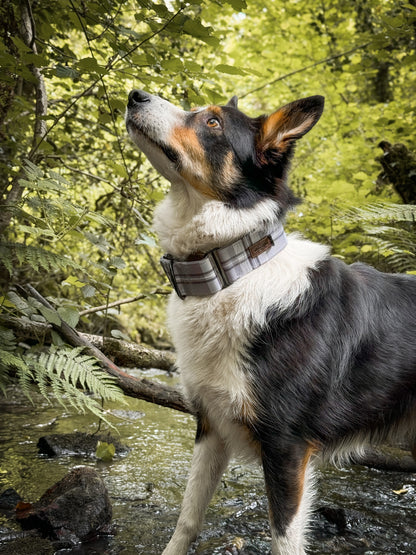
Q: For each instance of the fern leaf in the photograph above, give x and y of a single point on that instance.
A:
(7, 340)
(66, 370)
(35, 257)
(391, 227)
(380, 212)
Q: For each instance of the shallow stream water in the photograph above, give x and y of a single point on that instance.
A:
(357, 509)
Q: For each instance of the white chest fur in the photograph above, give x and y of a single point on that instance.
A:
(212, 334)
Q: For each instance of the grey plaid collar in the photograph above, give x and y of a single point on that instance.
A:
(221, 267)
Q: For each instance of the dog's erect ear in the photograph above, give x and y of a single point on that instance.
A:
(233, 102)
(279, 130)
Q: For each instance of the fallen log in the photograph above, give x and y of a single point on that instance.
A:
(123, 353)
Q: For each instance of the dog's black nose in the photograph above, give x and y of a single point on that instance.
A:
(137, 97)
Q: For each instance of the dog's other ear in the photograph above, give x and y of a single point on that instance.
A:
(233, 102)
(279, 130)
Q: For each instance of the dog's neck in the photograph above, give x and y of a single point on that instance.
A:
(187, 222)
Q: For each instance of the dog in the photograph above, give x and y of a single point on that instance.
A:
(287, 355)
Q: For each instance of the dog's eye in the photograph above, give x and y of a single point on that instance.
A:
(213, 122)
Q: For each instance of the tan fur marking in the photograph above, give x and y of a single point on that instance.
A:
(215, 110)
(311, 450)
(229, 172)
(194, 168)
(199, 185)
(272, 125)
(184, 139)
(247, 412)
(277, 130)
(250, 440)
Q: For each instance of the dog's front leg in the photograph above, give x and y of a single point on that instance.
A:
(208, 464)
(288, 476)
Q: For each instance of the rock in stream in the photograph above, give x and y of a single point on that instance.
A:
(75, 509)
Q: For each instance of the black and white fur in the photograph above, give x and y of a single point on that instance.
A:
(303, 357)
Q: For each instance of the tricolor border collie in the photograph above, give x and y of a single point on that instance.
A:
(286, 353)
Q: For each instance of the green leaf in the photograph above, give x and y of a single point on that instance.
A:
(192, 66)
(105, 451)
(51, 315)
(360, 176)
(145, 239)
(6, 302)
(88, 291)
(88, 64)
(238, 5)
(117, 334)
(66, 71)
(57, 339)
(117, 262)
(69, 315)
(173, 64)
(73, 280)
(232, 70)
(195, 28)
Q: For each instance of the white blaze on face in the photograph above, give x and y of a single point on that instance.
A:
(150, 123)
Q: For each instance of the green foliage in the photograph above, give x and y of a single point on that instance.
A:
(105, 451)
(68, 373)
(389, 233)
(11, 359)
(66, 370)
(76, 199)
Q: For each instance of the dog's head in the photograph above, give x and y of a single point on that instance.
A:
(218, 150)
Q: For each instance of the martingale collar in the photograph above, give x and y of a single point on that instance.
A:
(221, 267)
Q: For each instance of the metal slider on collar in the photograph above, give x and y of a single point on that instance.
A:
(167, 261)
(217, 267)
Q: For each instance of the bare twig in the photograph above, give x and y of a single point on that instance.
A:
(305, 68)
(123, 301)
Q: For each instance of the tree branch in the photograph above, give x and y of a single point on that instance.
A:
(123, 353)
(324, 61)
(140, 388)
(123, 301)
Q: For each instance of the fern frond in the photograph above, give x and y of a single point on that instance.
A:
(35, 257)
(7, 340)
(66, 370)
(379, 212)
(392, 229)
(11, 359)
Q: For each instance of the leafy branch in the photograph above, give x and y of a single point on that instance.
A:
(112, 62)
(305, 68)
